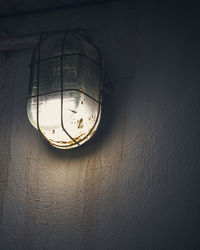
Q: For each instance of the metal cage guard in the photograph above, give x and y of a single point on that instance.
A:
(76, 33)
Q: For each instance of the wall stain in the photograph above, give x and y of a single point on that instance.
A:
(32, 200)
(38, 213)
(91, 191)
(7, 90)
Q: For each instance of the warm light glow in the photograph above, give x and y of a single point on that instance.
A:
(79, 115)
(65, 88)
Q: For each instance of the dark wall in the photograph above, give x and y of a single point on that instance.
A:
(135, 185)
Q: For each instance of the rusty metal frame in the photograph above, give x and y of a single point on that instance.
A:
(77, 33)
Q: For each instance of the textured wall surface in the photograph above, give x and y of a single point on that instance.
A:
(135, 185)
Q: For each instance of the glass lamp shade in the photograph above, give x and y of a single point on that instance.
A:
(64, 101)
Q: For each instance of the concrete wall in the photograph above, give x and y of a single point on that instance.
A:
(135, 185)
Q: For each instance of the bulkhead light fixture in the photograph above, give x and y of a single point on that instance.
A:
(64, 101)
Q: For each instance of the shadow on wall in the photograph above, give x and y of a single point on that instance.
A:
(197, 247)
(114, 105)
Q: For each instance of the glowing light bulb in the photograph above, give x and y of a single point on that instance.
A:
(71, 122)
(79, 116)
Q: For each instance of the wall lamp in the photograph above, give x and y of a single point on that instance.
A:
(65, 90)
